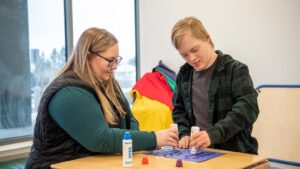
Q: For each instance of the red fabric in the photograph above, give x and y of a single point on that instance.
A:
(155, 86)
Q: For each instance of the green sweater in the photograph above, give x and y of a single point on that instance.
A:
(78, 112)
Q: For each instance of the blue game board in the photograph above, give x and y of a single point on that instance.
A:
(185, 154)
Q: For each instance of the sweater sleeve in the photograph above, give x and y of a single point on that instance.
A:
(77, 112)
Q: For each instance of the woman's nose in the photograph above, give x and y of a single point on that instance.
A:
(113, 66)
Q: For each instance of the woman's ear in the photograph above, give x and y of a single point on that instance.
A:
(89, 54)
(89, 57)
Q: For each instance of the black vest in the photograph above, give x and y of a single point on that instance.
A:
(51, 144)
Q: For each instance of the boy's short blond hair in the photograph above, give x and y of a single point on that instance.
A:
(185, 25)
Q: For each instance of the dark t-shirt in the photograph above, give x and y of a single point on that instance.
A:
(200, 86)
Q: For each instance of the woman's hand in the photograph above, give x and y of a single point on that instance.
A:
(167, 137)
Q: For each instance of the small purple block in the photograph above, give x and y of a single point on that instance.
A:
(179, 163)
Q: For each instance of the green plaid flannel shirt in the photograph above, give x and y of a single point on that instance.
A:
(232, 107)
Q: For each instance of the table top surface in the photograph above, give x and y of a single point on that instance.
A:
(229, 160)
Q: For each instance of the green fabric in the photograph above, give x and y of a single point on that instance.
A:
(13, 164)
(232, 108)
(78, 112)
(170, 81)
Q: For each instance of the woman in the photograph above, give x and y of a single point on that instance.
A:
(83, 110)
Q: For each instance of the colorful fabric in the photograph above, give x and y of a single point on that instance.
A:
(170, 81)
(155, 86)
(166, 70)
(150, 114)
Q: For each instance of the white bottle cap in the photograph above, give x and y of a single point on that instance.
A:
(175, 126)
(194, 129)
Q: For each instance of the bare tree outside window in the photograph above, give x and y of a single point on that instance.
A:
(30, 56)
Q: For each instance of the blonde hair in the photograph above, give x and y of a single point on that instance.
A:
(189, 24)
(95, 40)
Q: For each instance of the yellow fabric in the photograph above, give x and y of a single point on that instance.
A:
(151, 114)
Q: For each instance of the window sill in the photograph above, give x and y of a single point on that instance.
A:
(15, 151)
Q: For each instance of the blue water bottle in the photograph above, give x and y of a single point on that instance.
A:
(127, 150)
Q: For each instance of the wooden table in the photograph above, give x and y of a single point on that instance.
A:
(230, 160)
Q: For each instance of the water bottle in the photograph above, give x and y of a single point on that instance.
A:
(127, 150)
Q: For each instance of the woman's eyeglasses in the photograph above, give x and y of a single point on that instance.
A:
(116, 60)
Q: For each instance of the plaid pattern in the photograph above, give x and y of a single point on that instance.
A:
(232, 108)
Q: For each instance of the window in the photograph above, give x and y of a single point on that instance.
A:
(118, 17)
(32, 51)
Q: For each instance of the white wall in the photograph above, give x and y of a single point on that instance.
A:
(264, 34)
